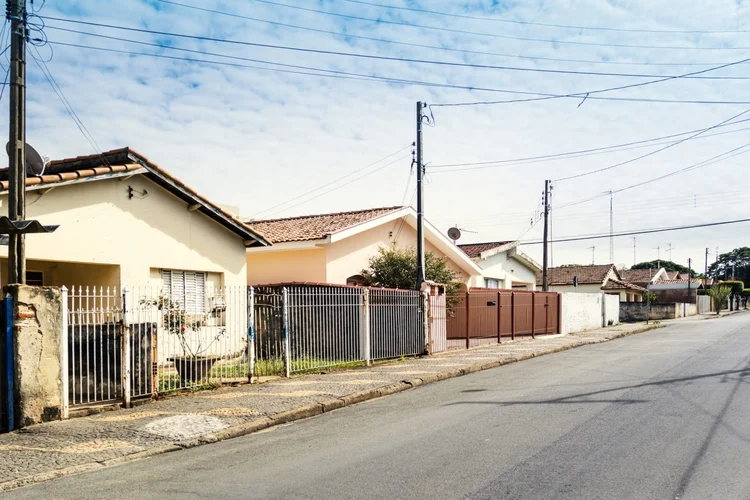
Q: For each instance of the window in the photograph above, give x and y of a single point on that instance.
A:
(34, 278)
(187, 288)
(491, 283)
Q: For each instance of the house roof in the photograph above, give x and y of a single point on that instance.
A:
(475, 250)
(680, 281)
(587, 275)
(125, 161)
(673, 275)
(615, 284)
(638, 275)
(315, 227)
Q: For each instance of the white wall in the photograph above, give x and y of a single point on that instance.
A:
(508, 270)
(611, 309)
(587, 311)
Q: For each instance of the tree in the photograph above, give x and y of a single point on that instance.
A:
(666, 264)
(720, 294)
(736, 287)
(736, 262)
(395, 267)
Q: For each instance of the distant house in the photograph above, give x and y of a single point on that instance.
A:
(677, 290)
(503, 265)
(336, 247)
(592, 279)
(125, 221)
(643, 277)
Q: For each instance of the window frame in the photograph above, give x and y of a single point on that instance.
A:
(187, 288)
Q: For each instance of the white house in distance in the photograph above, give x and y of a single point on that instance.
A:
(592, 279)
(124, 221)
(335, 248)
(503, 265)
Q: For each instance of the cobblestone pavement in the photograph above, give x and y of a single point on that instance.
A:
(55, 448)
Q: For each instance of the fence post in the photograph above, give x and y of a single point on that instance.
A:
(365, 326)
(513, 315)
(10, 369)
(468, 322)
(533, 315)
(64, 339)
(250, 333)
(125, 349)
(559, 313)
(285, 331)
(427, 317)
(546, 314)
(499, 318)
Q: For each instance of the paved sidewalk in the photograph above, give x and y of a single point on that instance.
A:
(60, 448)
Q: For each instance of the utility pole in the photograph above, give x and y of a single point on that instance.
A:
(593, 254)
(690, 273)
(635, 261)
(670, 251)
(16, 13)
(611, 230)
(716, 271)
(658, 257)
(705, 272)
(420, 199)
(545, 256)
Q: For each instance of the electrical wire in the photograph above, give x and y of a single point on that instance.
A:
(651, 153)
(453, 167)
(375, 78)
(432, 47)
(360, 55)
(546, 25)
(495, 35)
(329, 183)
(637, 232)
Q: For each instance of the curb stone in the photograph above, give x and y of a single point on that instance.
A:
(303, 412)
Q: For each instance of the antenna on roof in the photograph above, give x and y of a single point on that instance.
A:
(35, 163)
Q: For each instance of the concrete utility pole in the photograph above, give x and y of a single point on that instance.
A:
(593, 254)
(420, 199)
(705, 272)
(690, 269)
(611, 230)
(545, 252)
(16, 13)
(635, 261)
(669, 249)
(658, 257)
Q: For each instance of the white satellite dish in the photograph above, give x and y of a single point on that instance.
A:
(35, 164)
(454, 233)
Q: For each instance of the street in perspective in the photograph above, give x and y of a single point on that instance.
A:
(374, 249)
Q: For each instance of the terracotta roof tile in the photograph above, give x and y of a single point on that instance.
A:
(680, 280)
(673, 275)
(474, 250)
(315, 227)
(615, 284)
(587, 275)
(637, 275)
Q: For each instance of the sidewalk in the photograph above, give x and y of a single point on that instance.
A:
(60, 448)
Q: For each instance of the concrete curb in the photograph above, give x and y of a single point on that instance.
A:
(304, 412)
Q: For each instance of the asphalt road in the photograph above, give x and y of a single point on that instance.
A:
(661, 415)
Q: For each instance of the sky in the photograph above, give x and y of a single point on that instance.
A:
(275, 143)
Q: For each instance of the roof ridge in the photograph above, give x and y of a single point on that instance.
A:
(349, 212)
(498, 243)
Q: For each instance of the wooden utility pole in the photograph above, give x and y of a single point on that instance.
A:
(420, 200)
(16, 13)
(545, 250)
(705, 272)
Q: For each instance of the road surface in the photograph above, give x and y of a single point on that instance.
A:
(661, 415)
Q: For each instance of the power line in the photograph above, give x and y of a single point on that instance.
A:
(580, 153)
(359, 55)
(376, 78)
(329, 183)
(547, 25)
(432, 47)
(495, 35)
(651, 153)
(642, 231)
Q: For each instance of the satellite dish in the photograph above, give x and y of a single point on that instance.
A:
(454, 233)
(35, 164)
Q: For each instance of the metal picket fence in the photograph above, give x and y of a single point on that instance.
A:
(303, 328)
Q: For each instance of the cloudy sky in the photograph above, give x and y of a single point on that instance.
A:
(266, 130)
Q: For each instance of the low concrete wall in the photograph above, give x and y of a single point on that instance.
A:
(37, 332)
(586, 311)
(631, 312)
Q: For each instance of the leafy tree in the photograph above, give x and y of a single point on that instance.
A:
(720, 294)
(395, 267)
(738, 260)
(666, 264)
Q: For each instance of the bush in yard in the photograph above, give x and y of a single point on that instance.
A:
(720, 293)
(395, 267)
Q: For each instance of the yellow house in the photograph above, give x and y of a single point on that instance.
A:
(335, 248)
(123, 221)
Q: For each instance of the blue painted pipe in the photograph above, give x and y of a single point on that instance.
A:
(10, 393)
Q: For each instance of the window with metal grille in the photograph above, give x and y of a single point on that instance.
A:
(187, 288)
(34, 278)
(491, 283)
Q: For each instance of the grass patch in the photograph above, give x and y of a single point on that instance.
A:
(307, 364)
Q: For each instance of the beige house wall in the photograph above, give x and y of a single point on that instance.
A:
(351, 255)
(508, 271)
(267, 267)
(100, 225)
